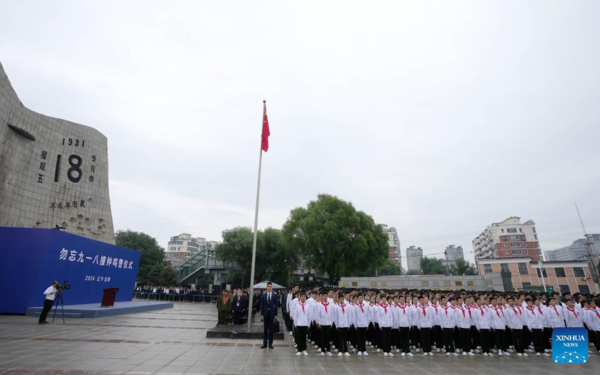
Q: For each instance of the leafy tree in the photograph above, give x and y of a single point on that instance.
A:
(152, 253)
(413, 272)
(432, 266)
(333, 237)
(153, 277)
(463, 267)
(167, 276)
(272, 254)
(388, 267)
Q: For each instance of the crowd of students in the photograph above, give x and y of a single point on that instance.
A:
(425, 322)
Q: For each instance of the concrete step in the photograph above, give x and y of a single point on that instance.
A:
(58, 314)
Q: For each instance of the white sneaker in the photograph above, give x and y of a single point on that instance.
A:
(295, 345)
(322, 354)
(430, 353)
(547, 351)
(464, 353)
(316, 346)
(456, 354)
(304, 352)
(438, 350)
(390, 354)
(500, 353)
(410, 354)
(546, 355)
(417, 350)
(347, 354)
(402, 354)
(353, 350)
(329, 354)
(291, 333)
(319, 349)
(397, 350)
(365, 354)
(519, 355)
(385, 354)
(471, 353)
(378, 350)
(335, 350)
(312, 342)
(340, 354)
(332, 346)
(359, 354)
(447, 354)
(538, 354)
(424, 354)
(506, 354)
(299, 353)
(490, 354)
(525, 355)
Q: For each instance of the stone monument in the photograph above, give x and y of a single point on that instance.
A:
(53, 173)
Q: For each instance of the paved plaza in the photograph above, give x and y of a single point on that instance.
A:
(174, 342)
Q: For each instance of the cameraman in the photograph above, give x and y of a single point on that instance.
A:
(50, 294)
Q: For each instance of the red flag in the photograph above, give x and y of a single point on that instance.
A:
(265, 130)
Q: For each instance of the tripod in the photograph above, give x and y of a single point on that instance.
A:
(59, 300)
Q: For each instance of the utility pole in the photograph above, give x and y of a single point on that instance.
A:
(588, 245)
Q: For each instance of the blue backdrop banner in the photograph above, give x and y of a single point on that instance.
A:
(30, 259)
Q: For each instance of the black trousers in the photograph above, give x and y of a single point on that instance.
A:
(449, 340)
(378, 342)
(342, 340)
(315, 334)
(548, 338)
(517, 340)
(484, 340)
(526, 337)
(474, 337)
(537, 336)
(334, 335)
(326, 338)
(267, 334)
(437, 337)
(395, 337)
(426, 339)
(352, 336)
(465, 339)
(593, 336)
(47, 307)
(456, 336)
(403, 338)
(386, 339)
(237, 317)
(371, 334)
(301, 338)
(286, 320)
(415, 337)
(499, 340)
(361, 338)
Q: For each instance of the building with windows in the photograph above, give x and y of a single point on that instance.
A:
(413, 258)
(563, 276)
(452, 253)
(394, 244)
(577, 250)
(184, 246)
(507, 239)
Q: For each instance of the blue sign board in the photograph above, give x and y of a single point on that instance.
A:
(30, 259)
(570, 345)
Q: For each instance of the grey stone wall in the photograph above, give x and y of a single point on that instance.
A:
(52, 171)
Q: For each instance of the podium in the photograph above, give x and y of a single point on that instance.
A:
(108, 300)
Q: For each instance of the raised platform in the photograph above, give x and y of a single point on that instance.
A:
(241, 332)
(93, 310)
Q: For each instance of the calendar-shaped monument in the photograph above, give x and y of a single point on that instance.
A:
(53, 172)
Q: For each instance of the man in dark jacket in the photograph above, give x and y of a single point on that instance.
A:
(240, 306)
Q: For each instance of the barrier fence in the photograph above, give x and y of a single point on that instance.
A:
(172, 297)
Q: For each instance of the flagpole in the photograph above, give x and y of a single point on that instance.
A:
(250, 306)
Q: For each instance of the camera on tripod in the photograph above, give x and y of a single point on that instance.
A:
(64, 286)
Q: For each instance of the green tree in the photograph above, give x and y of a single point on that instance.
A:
(153, 277)
(432, 266)
(463, 267)
(388, 267)
(333, 237)
(272, 254)
(413, 272)
(151, 252)
(167, 276)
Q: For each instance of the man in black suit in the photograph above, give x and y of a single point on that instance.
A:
(268, 314)
(240, 305)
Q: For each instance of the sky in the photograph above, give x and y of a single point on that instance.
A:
(435, 117)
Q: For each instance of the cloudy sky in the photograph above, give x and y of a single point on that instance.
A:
(437, 118)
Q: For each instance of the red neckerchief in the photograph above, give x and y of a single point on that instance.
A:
(342, 305)
(482, 312)
(540, 310)
(384, 307)
(531, 309)
(516, 312)
(302, 304)
(403, 308)
(435, 307)
(445, 309)
(463, 311)
(424, 312)
(325, 304)
(573, 311)
(555, 310)
(596, 311)
(470, 315)
(361, 307)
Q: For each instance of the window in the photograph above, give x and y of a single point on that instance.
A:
(535, 235)
(526, 285)
(540, 274)
(515, 244)
(487, 268)
(564, 289)
(512, 230)
(578, 271)
(584, 289)
(514, 237)
(517, 252)
(523, 238)
(523, 269)
(504, 267)
(502, 230)
(506, 245)
(560, 272)
(521, 230)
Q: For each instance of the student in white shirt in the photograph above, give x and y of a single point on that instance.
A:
(535, 325)
(425, 314)
(464, 319)
(301, 318)
(448, 323)
(436, 330)
(498, 323)
(572, 317)
(395, 325)
(594, 322)
(402, 316)
(50, 294)
(324, 317)
(341, 318)
(314, 332)
(415, 334)
(483, 323)
(385, 320)
(362, 323)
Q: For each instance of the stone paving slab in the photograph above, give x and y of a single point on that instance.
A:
(174, 342)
